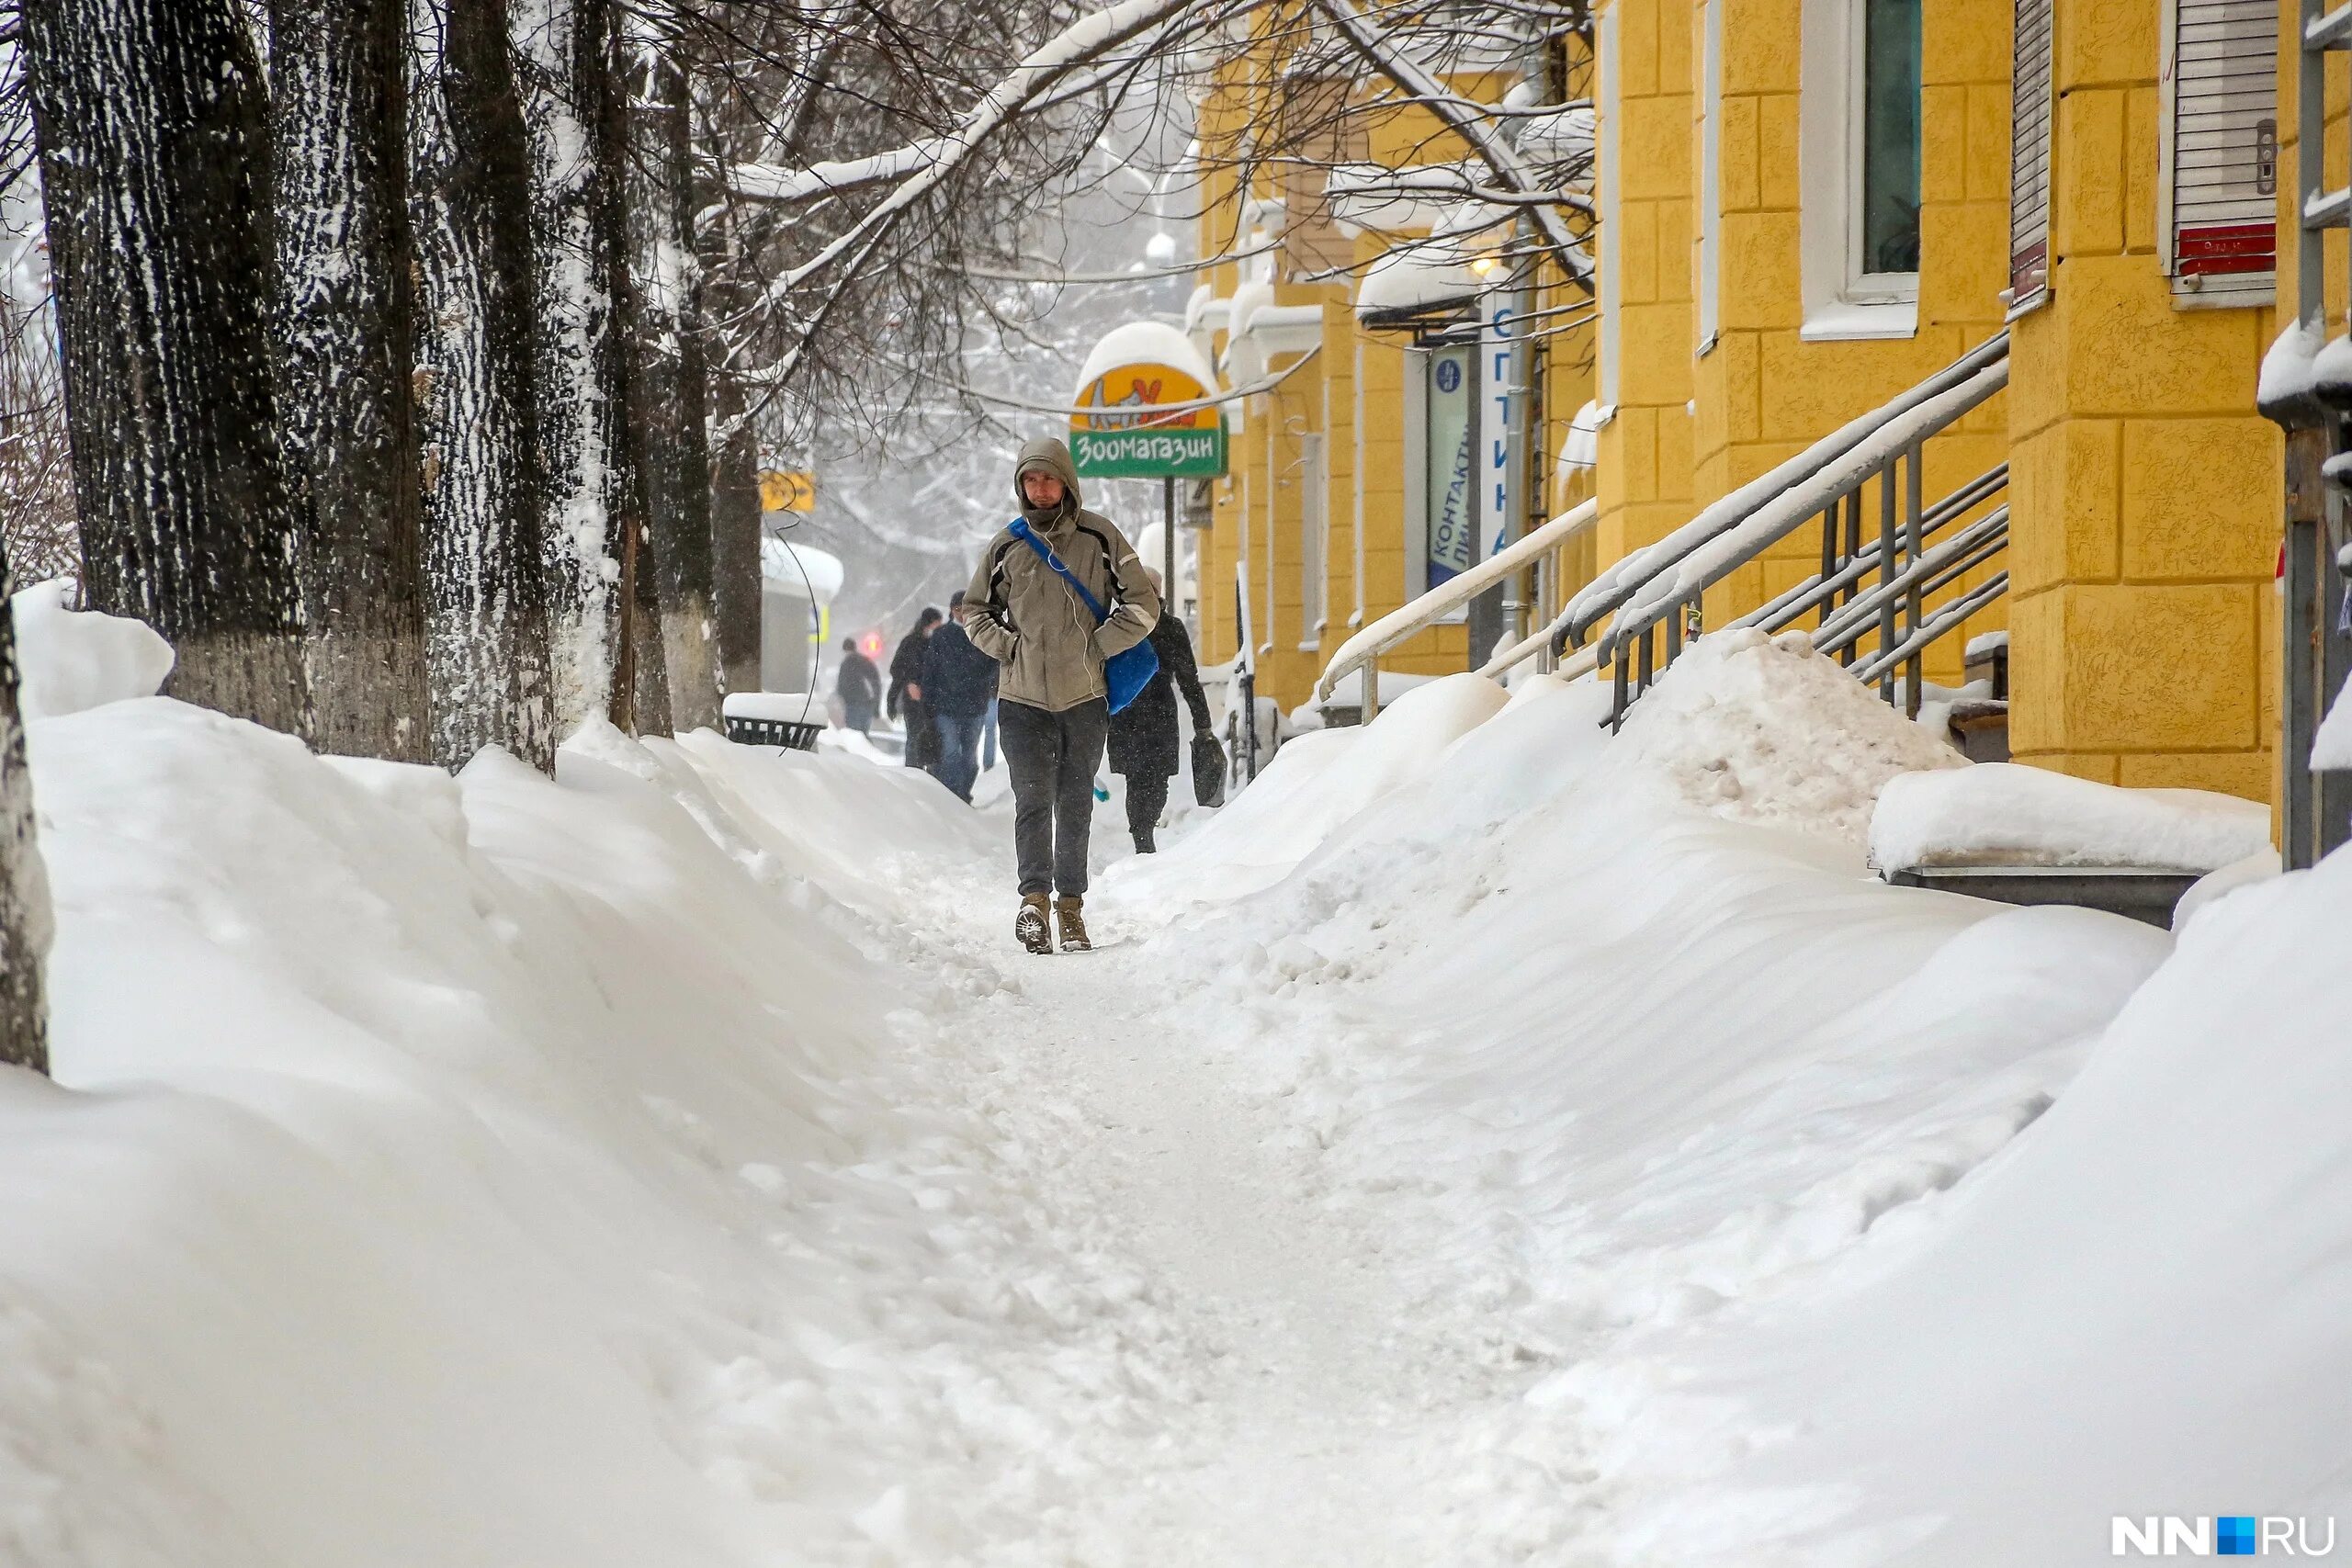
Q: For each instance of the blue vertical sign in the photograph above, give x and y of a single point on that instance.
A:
(1503, 349)
(1451, 478)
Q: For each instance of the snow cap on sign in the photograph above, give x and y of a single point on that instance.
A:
(824, 569)
(1143, 343)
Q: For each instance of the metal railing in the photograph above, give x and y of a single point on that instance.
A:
(2315, 808)
(1539, 551)
(1654, 599)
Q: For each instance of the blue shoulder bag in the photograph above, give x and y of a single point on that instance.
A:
(1125, 675)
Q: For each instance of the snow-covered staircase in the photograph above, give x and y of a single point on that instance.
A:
(1895, 572)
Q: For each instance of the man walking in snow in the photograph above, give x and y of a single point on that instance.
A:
(1053, 706)
(958, 681)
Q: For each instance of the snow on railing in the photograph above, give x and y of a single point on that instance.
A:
(1394, 628)
(1745, 539)
(1620, 582)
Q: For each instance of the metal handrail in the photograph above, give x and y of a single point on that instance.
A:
(1806, 596)
(1362, 651)
(1618, 584)
(1745, 539)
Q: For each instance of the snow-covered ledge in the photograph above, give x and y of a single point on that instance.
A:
(2005, 814)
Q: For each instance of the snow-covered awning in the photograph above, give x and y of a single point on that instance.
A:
(1258, 329)
(1421, 279)
(800, 570)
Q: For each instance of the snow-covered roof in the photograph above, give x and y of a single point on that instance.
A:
(815, 571)
(1143, 343)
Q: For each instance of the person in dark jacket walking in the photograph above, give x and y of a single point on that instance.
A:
(905, 699)
(859, 686)
(1054, 703)
(1143, 742)
(958, 682)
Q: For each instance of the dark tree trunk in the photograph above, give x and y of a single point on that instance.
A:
(150, 119)
(576, 114)
(345, 318)
(735, 539)
(23, 891)
(650, 703)
(669, 396)
(484, 488)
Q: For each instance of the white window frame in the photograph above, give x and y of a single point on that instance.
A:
(1355, 616)
(1274, 529)
(1841, 302)
(2226, 291)
(1416, 402)
(1711, 199)
(1314, 537)
(1605, 180)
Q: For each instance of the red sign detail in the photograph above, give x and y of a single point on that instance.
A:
(2217, 249)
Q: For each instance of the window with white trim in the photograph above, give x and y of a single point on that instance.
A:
(2216, 219)
(2034, 108)
(1859, 168)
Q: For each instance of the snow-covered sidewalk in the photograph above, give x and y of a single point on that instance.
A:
(1486, 1142)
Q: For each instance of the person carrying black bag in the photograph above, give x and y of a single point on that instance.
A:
(904, 701)
(1143, 734)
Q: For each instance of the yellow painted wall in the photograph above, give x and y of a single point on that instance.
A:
(1763, 393)
(2145, 493)
(1646, 479)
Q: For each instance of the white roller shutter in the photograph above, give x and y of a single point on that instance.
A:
(2219, 223)
(2032, 112)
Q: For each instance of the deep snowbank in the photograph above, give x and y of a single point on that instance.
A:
(506, 1171)
(1752, 1145)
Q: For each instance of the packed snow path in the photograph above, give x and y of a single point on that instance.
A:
(1319, 1408)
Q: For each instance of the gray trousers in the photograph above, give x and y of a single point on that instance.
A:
(1053, 757)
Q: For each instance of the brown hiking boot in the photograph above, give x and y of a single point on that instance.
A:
(1034, 931)
(1073, 924)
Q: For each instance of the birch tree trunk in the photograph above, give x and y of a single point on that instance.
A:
(24, 890)
(575, 113)
(345, 319)
(150, 116)
(669, 396)
(487, 644)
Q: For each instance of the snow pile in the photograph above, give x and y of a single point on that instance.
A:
(2143, 1308)
(1763, 730)
(68, 659)
(2006, 814)
(1754, 1164)
(1313, 784)
(553, 1173)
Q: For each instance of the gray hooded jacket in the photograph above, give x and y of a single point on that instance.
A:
(1020, 613)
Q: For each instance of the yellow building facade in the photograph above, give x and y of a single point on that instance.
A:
(1805, 208)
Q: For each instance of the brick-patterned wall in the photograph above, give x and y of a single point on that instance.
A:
(2145, 489)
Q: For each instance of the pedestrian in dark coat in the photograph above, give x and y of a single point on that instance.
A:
(959, 683)
(904, 702)
(859, 685)
(1143, 740)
